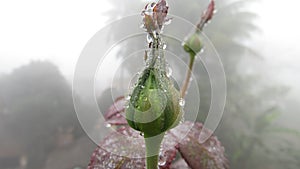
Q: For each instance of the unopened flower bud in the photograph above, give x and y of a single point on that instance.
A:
(153, 107)
(193, 44)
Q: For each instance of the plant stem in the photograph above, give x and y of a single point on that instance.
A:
(188, 76)
(152, 150)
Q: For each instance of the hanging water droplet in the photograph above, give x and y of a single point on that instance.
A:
(168, 21)
(164, 46)
(169, 71)
(149, 38)
(162, 159)
(181, 102)
(182, 119)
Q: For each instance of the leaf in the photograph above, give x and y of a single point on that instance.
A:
(115, 113)
(155, 16)
(160, 12)
(207, 15)
(180, 164)
(124, 149)
(208, 155)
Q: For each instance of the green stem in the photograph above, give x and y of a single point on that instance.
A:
(152, 150)
(188, 76)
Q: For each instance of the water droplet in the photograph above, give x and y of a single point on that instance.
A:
(168, 21)
(181, 102)
(162, 160)
(142, 134)
(164, 46)
(169, 71)
(182, 119)
(142, 86)
(202, 50)
(149, 38)
(108, 125)
(127, 98)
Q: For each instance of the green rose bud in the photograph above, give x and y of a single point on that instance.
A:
(193, 44)
(153, 107)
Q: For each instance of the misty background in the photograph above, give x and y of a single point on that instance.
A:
(40, 42)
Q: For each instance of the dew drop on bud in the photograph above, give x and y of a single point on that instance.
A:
(169, 71)
(182, 119)
(149, 38)
(181, 102)
(164, 46)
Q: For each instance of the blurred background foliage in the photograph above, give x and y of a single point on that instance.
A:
(37, 120)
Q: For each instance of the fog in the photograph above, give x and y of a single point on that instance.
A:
(40, 43)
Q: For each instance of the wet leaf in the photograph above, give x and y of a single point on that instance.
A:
(207, 155)
(115, 114)
(124, 149)
(155, 16)
(180, 164)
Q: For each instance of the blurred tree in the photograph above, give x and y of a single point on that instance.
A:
(38, 103)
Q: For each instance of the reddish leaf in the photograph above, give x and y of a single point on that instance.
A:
(118, 151)
(155, 16)
(115, 114)
(160, 13)
(180, 164)
(207, 14)
(208, 155)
